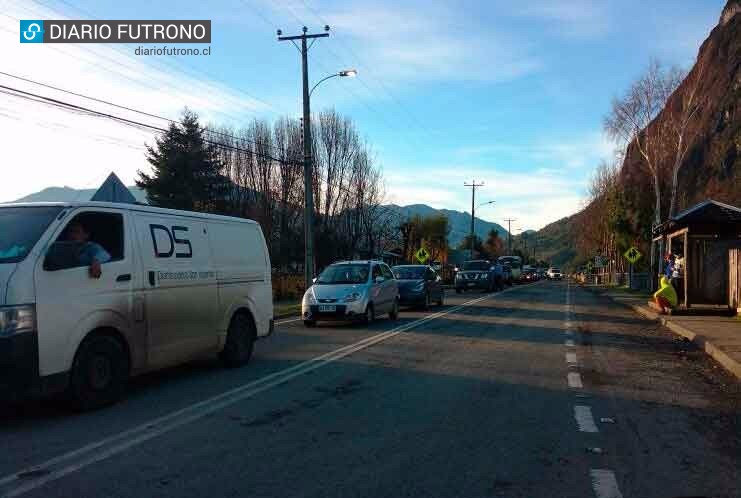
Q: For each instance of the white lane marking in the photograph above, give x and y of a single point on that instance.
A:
(571, 358)
(67, 463)
(569, 343)
(282, 322)
(584, 419)
(605, 484)
(574, 380)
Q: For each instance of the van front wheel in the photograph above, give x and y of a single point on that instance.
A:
(240, 341)
(99, 373)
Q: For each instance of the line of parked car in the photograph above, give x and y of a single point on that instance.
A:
(366, 290)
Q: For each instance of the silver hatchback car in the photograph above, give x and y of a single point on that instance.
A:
(351, 291)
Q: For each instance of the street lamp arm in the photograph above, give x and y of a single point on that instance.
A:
(336, 75)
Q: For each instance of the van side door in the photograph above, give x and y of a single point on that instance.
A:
(69, 302)
(179, 287)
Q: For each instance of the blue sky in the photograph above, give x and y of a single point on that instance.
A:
(509, 93)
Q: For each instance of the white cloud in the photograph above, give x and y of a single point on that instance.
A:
(54, 147)
(533, 197)
(423, 42)
(570, 18)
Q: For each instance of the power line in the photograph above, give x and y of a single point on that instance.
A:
(177, 67)
(137, 124)
(127, 108)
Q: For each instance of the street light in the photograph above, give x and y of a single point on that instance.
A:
(346, 73)
(473, 218)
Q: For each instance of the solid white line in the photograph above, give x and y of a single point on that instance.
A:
(569, 343)
(584, 419)
(574, 380)
(282, 322)
(605, 484)
(67, 463)
(571, 358)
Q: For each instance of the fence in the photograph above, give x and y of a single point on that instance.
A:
(288, 286)
(640, 280)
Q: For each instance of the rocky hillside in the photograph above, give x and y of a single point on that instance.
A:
(712, 165)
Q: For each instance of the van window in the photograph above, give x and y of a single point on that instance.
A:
(21, 228)
(88, 235)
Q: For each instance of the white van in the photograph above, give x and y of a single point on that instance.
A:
(175, 285)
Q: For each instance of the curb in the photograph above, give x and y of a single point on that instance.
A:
(716, 353)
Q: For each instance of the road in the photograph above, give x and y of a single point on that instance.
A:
(545, 390)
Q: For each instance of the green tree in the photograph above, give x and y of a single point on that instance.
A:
(186, 171)
(478, 247)
(494, 245)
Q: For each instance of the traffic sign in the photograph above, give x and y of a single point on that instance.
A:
(633, 255)
(422, 255)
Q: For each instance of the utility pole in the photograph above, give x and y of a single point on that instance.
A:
(473, 186)
(308, 167)
(509, 235)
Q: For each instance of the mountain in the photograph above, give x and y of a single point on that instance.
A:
(710, 169)
(460, 222)
(69, 194)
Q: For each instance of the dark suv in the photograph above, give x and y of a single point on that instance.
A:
(479, 274)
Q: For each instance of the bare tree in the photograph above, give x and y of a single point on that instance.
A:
(632, 116)
(679, 115)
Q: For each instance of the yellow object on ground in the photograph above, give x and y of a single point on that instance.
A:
(667, 292)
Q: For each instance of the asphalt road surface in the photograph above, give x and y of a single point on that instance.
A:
(544, 390)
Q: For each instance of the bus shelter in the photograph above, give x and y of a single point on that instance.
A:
(705, 240)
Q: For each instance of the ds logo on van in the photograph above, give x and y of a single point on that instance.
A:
(173, 239)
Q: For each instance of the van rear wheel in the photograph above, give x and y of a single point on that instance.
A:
(240, 341)
(99, 373)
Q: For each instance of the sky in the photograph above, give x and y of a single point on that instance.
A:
(511, 94)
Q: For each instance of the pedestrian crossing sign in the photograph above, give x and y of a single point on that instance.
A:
(632, 255)
(422, 255)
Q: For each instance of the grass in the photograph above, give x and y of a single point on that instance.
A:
(625, 290)
(286, 308)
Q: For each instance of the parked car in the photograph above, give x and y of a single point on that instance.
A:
(419, 285)
(95, 292)
(528, 276)
(507, 275)
(479, 274)
(554, 274)
(351, 291)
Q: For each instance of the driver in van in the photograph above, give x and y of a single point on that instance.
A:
(91, 254)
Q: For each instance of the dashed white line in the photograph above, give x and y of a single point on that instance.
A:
(283, 322)
(574, 380)
(584, 419)
(605, 484)
(571, 358)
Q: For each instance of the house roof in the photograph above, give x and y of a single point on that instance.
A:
(709, 211)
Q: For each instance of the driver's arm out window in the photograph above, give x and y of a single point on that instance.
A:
(88, 236)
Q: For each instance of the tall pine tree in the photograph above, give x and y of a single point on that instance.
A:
(186, 171)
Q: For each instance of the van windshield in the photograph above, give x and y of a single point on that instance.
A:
(20, 229)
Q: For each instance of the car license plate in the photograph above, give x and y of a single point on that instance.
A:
(327, 309)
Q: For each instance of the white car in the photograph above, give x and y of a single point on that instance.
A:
(554, 274)
(352, 291)
(92, 293)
